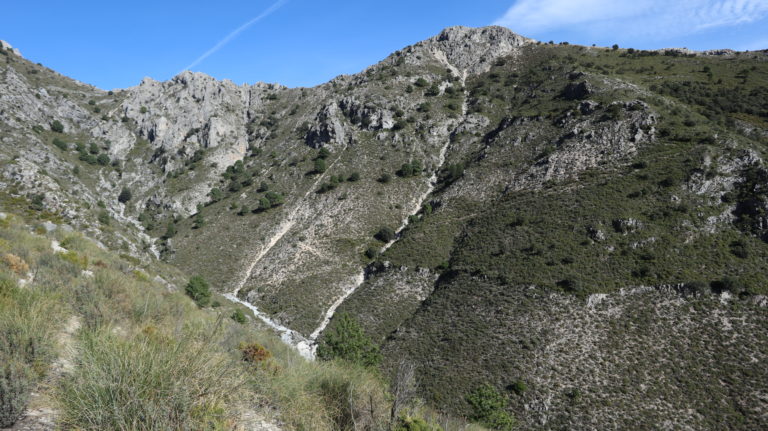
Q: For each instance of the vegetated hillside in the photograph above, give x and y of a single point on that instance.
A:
(591, 248)
(582, 228)
(92, 341)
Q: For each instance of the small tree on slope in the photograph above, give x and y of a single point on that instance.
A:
(348, 341)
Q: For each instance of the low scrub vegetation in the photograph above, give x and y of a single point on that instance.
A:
(147, 358)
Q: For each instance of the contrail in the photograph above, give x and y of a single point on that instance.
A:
(236, 32)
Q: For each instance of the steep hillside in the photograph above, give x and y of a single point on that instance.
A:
(605, 225)
(583, 228)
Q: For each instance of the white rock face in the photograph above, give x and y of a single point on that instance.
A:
(6, 45)
(189, 113)
(468, 50)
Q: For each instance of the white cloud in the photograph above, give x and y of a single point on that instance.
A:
(234, 33)
(652, 18)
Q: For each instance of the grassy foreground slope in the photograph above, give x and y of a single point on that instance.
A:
(100, 343)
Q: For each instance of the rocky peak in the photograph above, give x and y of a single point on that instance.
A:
(472, 50)
(6, 45)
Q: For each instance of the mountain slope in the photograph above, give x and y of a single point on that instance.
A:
(531, 215)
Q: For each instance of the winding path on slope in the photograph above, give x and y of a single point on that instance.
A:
(288, 335)
(307, 346)
(359, 279)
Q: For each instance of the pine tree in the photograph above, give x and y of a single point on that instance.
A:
(125, 195)
(348, 341)
(199, 291)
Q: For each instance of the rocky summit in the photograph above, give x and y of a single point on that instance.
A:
(579, 233)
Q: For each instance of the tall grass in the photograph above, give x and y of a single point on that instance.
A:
(28, 322)
(328, 396)
(147, 358)
(148, 381)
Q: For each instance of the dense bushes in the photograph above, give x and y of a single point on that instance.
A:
(407, 423)
(199, 291)
(410, 169)
(348, 341)
(125, 195)
(58, 143)
(270, 200)
(16, 382)
(488, 408)
(385, 234)
(238, 316)
(320, 166)
(57, 127)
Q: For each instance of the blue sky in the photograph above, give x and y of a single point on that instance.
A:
(307, 42)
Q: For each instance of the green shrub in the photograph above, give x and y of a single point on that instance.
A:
(125, 195)
(353, 177)
(88, 158)
(199, 290)
(433, 90)
(104, 218)
(238, 316)
(739, 249)
(385, 234)
(58, 143)
(348, 341)
(274, 198)
(410, 169)
(407, 423)
(488, 408)
(16, 382)
(103, 159)
(170, 230)
(199, 221)
(216, 194)
(729, 284)
(320, 166)
(264, 204)
(385, 178)
(696, 287)
(399, 125)
(324, 153)
(518, 387)
(36, 202)
(371, 252)
(57, 127)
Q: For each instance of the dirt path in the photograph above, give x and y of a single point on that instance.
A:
(41, 413)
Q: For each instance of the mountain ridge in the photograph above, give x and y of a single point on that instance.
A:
(463, 199)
